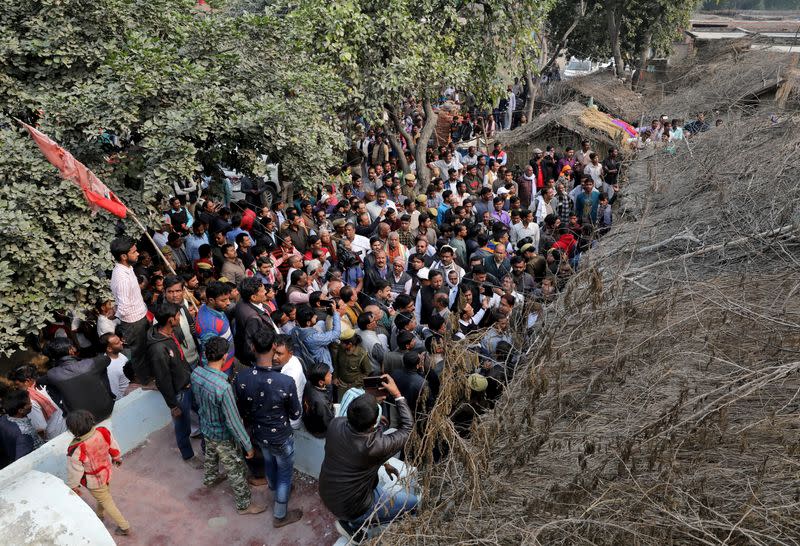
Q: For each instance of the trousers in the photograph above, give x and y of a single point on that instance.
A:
(105, 504)
(279, 465)
(227, 453)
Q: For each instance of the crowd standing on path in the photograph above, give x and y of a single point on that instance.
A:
(347, 295)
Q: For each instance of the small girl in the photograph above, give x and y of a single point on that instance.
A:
(89, 458)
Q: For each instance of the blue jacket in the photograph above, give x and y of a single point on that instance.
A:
(316, 343)
(592, 202)
(267, 400)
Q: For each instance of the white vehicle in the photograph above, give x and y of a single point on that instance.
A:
(270, 179)
(582, 67)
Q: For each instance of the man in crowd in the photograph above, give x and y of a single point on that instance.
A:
(222, 427)
(172, 373)
(355, 448)
(131, 309)
(269, 403)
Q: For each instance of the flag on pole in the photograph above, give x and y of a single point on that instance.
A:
(96, 193)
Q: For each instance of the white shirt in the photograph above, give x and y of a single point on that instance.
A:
(374, 208)
(294, 369)
(360, 246)
(105, 325)
(53, 427)
(116, 378)
(520, 231)
(125, 287)
(596, 172)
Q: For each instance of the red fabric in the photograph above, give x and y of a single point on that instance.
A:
(95, 192)
(539, 175)
(96, 453)
(248, 217)
(48, 408)
(566, 243)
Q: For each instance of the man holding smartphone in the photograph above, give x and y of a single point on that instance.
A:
(355, 449)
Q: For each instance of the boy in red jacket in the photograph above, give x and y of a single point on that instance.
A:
(89, 458)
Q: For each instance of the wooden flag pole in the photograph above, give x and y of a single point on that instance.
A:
(160, 254)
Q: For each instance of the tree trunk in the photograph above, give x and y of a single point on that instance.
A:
(401, 153)
(641, 64)
(423, 173)
(399, 127)
(561, 44)
(531, 93)
(614, 20)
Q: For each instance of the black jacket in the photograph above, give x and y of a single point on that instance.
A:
(317, 410)
(414, 388)
(349, 471)
(81, 384)
(13, 444)
(168, 365)
(249, 320)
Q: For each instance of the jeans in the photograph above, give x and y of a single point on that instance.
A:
(183, 424)
(387, 506)
(278, 466)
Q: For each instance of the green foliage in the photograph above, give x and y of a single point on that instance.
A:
(390, 49)
(663, 18)
(182, 89)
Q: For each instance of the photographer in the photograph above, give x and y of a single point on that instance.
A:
(355, 448)
(315, 342)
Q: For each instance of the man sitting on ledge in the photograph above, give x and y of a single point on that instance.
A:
(355, 448)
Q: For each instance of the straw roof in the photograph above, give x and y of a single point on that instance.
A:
(609, 94)
(657, 404)
(569, 117)
(729, 81)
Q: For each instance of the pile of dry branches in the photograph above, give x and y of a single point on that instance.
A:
(658, 401)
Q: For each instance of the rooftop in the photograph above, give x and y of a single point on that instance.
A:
(166, 503)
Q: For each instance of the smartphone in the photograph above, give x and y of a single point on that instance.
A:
(373, 383)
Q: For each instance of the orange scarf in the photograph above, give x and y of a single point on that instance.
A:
(48, 408)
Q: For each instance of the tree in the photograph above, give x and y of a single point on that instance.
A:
(144, 93)
(625, 30)
(390, 50)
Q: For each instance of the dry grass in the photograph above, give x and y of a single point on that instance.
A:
(659, 400)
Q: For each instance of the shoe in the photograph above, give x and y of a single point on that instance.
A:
(291, 517)
(122, 532)
(255, 482)
(254, 508)
(216, 481)
(354, 535)
(194, 462)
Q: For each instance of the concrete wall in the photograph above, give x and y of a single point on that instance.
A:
(135, 417)
(38, 508)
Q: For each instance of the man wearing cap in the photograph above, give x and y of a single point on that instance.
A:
(527, 182)
(351, 363)
(410, 186)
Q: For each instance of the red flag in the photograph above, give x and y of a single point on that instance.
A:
(95, 192)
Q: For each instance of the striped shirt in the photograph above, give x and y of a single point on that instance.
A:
(125, 287)
(219, 418)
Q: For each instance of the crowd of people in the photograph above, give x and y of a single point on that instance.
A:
(254, 320)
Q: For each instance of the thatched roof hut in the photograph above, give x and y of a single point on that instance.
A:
(608, 93)
(732, 81)
(561, 127)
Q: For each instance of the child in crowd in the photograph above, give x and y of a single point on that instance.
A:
(89, 458)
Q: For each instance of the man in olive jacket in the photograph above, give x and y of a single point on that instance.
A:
(355, 448)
